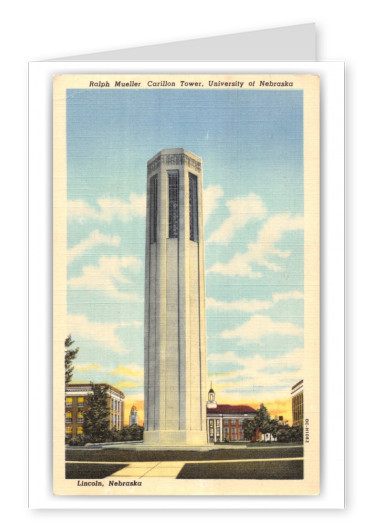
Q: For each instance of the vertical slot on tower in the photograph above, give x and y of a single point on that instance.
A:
(193, 208)
(173, 202)
(153, 209)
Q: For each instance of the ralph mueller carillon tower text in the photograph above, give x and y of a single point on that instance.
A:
(175, 326)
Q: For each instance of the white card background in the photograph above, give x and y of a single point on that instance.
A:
(290, 43)
(332, 193)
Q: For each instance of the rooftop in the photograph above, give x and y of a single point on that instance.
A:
(73, 386)
(297, 384)
(228, 408)
(175, 151)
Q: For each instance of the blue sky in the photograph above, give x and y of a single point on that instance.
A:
(251, 143)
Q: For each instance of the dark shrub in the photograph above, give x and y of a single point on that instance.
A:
(80, 440)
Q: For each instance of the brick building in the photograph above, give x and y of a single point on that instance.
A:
(297, 404)
(76, 403)
(224, 422)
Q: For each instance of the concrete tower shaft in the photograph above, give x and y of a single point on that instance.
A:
(175, 326)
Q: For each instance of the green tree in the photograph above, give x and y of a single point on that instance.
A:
(250, 428)
(288, 434)
(260, 422)
(284, 435)
(136, 432)
(96, 418)
(132, 433)
(263, 419)
(274, 427)
(70, 355)
(115, 435)
(296, 434)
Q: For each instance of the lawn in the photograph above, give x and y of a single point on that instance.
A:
(246, 470)
(216, 453)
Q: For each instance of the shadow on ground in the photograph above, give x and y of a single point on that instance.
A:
(262, 470)
(90, 471)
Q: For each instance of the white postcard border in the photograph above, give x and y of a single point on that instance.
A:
(332, 249)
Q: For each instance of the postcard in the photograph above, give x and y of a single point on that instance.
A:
(186, 222)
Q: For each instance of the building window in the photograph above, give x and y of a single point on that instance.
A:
(173, 204)
(225, 422)
(68, 416)
(69, 401)
(80, 430)
(80, 417)
(80, 401)
(153, 208)
(193, 208)
(68, 430)
(233, 421)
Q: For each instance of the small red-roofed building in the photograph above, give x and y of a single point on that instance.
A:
(224, 422)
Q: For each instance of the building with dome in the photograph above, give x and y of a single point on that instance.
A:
(211, 403)
(224, 422)
(133, 419)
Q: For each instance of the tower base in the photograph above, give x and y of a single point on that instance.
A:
(175, 437)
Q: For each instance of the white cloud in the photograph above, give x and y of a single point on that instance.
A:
(85, 367)
(211, 196)
(263, 249)
(132, 371)
(253, 375)
(103, 333)
(242, 305)
(109, 209)
(226, 357)
(248, 367)
(237, 266)
(288, 295)
(95, 238)
(104, 277)
(242, 210)
(253, 305)
(271, 232)
(259, 326)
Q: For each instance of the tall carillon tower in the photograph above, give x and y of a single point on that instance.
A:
(175, 328)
